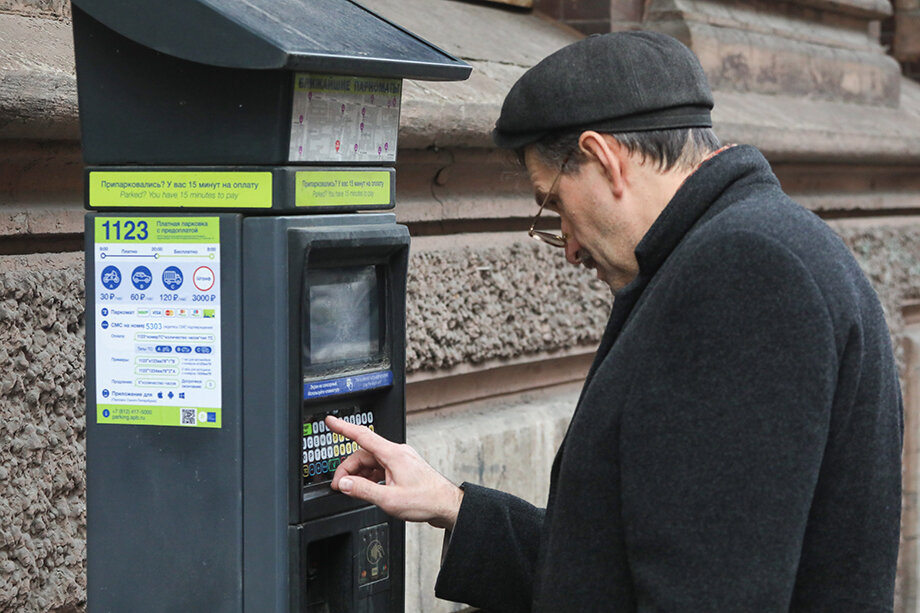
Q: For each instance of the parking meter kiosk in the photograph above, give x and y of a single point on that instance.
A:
(243, 281)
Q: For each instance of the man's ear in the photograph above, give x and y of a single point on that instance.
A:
(611, 155)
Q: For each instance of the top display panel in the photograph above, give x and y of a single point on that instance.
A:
(344, 119)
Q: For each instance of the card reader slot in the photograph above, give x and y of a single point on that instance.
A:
(329, 578)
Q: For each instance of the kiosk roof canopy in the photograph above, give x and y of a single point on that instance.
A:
(330, 36)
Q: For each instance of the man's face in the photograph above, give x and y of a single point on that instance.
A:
(599, 232)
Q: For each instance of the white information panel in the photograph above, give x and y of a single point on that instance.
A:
(157, 300)
(344, 119)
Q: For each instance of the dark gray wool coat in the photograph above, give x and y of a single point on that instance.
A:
(737, 443)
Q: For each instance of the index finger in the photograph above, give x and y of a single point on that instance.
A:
(370, 441)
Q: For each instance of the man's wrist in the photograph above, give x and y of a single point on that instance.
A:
(447, 518)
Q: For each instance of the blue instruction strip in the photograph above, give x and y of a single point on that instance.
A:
(347, 385)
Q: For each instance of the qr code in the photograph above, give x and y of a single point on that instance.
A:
(188, 417)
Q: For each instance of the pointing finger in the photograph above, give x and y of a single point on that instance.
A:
(374, 443)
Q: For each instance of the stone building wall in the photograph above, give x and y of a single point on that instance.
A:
(42, 493)
(500, 330)
(902, 33)
(586, 16)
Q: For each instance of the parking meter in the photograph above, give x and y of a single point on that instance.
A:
(243, 281)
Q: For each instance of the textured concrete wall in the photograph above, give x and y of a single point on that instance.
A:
(465, 306)
(468, 306)
(890, 255)
(42, 493)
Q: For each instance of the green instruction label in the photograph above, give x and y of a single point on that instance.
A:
(146, 230)
(337, 188)
(155, 188)
(144, 415)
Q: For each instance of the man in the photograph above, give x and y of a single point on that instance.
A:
(736, 446)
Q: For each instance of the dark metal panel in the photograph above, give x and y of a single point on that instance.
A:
(164, 504)
(340, 36)
(187, 29)
(272, 400)
(266, 416)
(140, 106)
(332, 36)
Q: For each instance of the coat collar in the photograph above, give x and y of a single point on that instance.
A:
(697, 199)
(694, 199)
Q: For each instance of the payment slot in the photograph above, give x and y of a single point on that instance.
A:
(242, 284)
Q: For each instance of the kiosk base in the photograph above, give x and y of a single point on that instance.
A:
(341, 564)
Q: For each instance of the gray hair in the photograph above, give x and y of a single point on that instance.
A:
(681, 148)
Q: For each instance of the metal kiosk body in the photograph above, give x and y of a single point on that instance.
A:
(237, 292)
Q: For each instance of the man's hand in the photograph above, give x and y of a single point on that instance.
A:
(412, 489)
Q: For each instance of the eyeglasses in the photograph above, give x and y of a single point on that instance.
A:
(556, 240)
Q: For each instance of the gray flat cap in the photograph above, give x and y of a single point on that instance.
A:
(618, 82)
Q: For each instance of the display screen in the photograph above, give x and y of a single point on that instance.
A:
(344, 314)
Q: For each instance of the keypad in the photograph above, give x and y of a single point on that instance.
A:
(323, 450)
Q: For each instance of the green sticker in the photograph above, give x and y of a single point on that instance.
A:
(145, 415)
(160, 188)
(338, 188)
(146, 230)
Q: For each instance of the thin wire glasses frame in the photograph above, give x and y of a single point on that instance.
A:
(556, 240)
